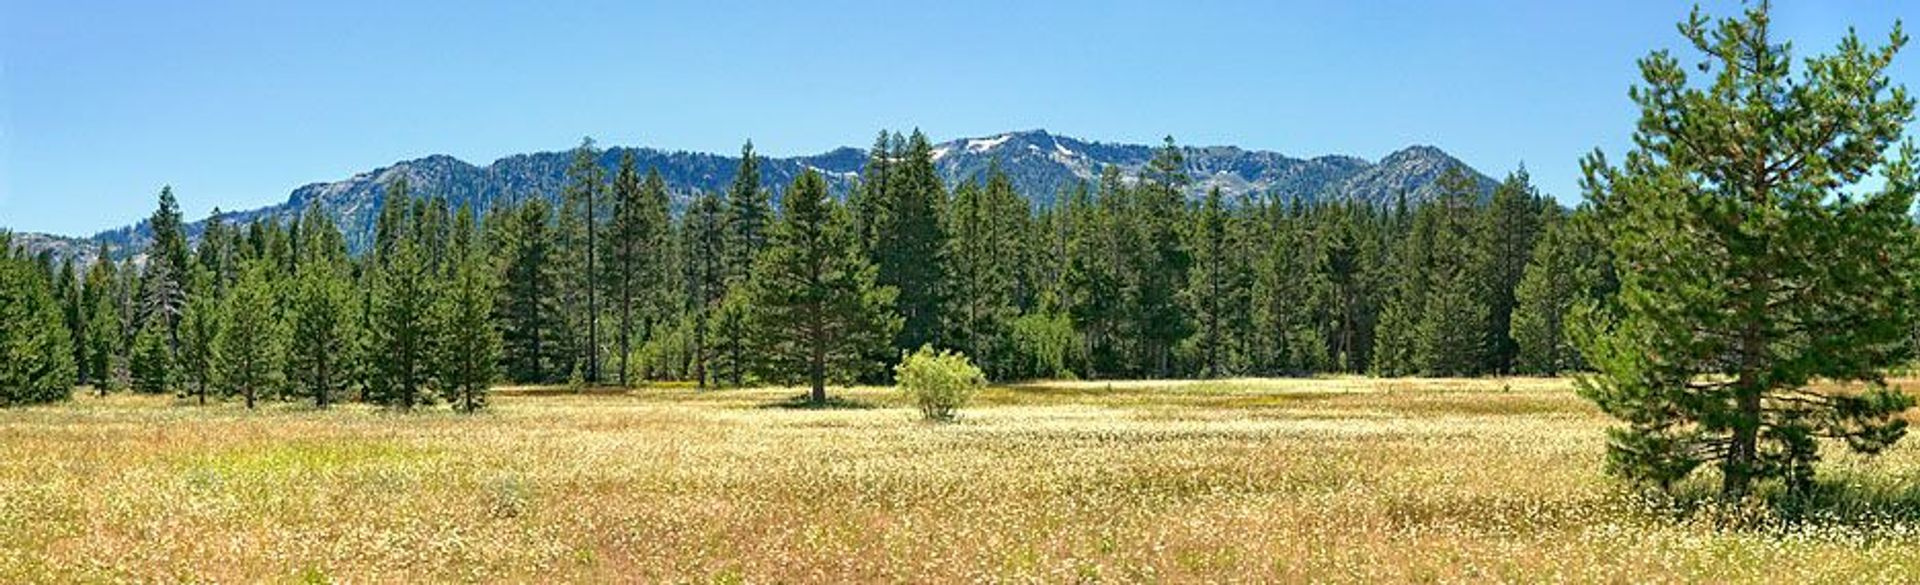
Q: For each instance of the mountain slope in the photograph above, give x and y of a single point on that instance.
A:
(1041, 165)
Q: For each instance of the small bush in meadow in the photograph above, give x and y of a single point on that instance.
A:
(939, 382)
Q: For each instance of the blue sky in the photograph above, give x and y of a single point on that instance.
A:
(235, 103)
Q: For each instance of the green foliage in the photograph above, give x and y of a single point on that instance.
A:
(1567, 271)
(816, 310)
(36, 352)
(940, 383)
(985, 225)
(468, 348)
(637, 271)
(1752, 263)
(151, 364)
(323, 329)
(402, 326)
(1041, 346)
(533, 332)
(199, 340)
(909, 250)
(1512, 221)
(251, 345)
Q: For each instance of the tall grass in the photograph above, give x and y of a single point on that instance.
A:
(1322, 480)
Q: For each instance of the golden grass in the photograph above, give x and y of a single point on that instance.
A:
(1343, 479)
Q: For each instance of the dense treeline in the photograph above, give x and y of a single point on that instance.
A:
(1124, 277)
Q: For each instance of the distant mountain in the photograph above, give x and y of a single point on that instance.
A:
(1041, 165)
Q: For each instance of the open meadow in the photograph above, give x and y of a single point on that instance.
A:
(1257, 480)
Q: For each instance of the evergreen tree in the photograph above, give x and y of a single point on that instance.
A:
(1210, 287)
(103, 320)
(1451, 334)
(1160, 267)
(38, 365)
(321, 315)
(1561, 275)
(70, 292)
(532, 328)
(150, 366)
(1751, 261)
(982, 283)
(469, 346)
(164, 293)
(817, 309)
(199, 336)
(705, 233)
(584, 184)
(403, 330)
(401, 327)
(1283, 298)
(747, 217)
(628, 254)
(250, 345)
(1512, 224)
(909, 246)
(1093, 281)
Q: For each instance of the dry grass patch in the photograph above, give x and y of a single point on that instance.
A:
(1342, 479)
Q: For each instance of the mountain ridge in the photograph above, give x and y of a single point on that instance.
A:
(1041, 165)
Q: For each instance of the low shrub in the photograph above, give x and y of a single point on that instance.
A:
(938, 382)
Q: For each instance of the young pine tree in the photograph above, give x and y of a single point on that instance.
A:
(38, 365)
(1752, 262)
(200, 337)
(469, 345)
(403, 332)
(250, 345)
(321, 315)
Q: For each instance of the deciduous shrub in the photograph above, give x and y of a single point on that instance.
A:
(938, 382)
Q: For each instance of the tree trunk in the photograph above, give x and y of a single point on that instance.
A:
(818, 373)
(1737, 471)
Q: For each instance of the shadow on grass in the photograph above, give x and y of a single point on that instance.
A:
(1831, 503)
(803, 402)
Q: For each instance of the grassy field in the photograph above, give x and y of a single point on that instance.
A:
(1334, 480)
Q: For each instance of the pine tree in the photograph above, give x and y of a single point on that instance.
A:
(584, 184)
(1512, 224)
(103, 323)
(1283, 298)
(400, 326)
(321, 315)
(817, 309)
(1561, 274)
(1451, 333)
(1752, 262)
(1093, 281)
(533, 331)
(70, 292)
(1160, 267)
(150, 366)
(1209, 287)
(469, 345)
(909, 246)
(250, 344)
(164, 293)
(747, 218)
(199, 336)
(705, 271)
(39, 355)
(980, 254)
(632, 251)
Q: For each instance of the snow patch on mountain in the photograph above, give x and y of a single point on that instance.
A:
(986, 144)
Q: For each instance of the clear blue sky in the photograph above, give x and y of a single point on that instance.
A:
(235, 103)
